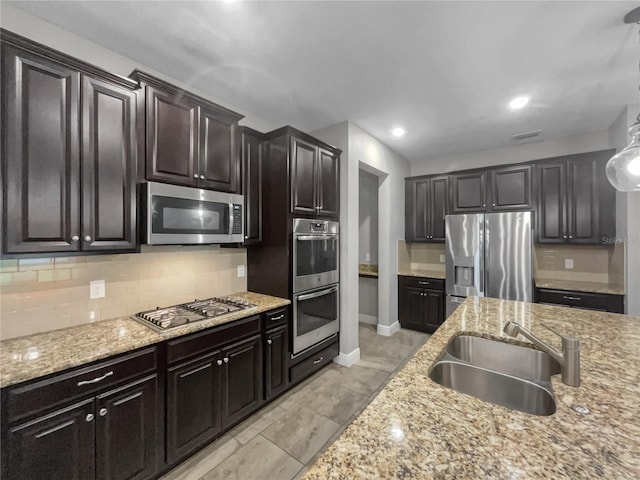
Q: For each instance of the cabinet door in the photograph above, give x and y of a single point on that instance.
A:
(40, 154)
(108, 167)
(126, 431)
(328, 184)
(172, 138)
(411, 307)
(433, 310)
(438, 207)
(58, 445)
(219, 167)
(416, 210)
(551, 217)
(276, 352)
(468, 192)
(583, 213)
(241, 379)
(193, 405)
(252, 157)
(303, 177)
(511, 188)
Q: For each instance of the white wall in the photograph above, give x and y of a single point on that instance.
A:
(588, 142)
(628, 216)
(19, 22)
(368, 217)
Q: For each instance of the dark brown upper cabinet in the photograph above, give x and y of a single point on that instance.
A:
(189, 140)
(426, 205)
(468, 191)
(511, 188)
(69, 153)
(313, 171)
(252, 153)
(576, 203)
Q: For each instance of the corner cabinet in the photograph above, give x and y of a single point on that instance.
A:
(420, 303)
(576, 203)
(69, 153)
(252, 157)
(426, 205)
(189, 140)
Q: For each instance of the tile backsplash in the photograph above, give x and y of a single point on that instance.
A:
(42, 294)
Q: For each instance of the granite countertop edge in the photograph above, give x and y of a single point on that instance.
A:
(27, 358)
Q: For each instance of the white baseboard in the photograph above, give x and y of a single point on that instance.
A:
(348, 359)
(370, 319)
(387, 331)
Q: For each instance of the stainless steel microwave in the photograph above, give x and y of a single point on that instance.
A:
(176, 215)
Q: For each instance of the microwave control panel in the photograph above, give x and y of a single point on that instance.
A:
(236, 228)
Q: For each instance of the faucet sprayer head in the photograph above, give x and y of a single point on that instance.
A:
(512, 329)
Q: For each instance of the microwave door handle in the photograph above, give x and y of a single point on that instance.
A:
(230, 229)
(321, 293)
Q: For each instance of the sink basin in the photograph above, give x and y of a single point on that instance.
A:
(503, 357)
(506, 390)
(510, 375)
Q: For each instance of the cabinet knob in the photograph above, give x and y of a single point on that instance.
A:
(219, 362)
(493, 204)
(570, 236)
(564, 236)
(75, 238)
(201, 177)
(89, 417)
(484, 204)
(103, 412)
(225, 360)
(269, 342)
(195, 175)
(87, 238)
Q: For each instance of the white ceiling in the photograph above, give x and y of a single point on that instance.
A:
(443, 70)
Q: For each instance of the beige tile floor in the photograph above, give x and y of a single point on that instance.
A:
(283, 439)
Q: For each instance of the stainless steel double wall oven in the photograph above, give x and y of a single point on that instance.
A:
(316, 293)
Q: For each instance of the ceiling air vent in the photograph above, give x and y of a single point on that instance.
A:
(522, 136)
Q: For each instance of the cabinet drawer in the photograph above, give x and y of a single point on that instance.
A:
(42, 395)
(276, 318)
(593, 301)
(206, 340)
(423, 282)
(313, 363)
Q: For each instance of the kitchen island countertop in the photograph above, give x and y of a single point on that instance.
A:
(33, 356)
(416, 428)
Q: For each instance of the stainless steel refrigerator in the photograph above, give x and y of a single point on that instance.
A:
(489, 255)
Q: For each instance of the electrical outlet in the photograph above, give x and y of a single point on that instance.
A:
(568, 263)
(367, 257)
(96, 289)
(240, 271)
(442, 259)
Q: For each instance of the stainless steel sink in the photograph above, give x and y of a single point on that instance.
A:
(503, 357)
(513, 376)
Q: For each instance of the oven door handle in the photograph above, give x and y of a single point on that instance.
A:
(326, 236)
(321, 293)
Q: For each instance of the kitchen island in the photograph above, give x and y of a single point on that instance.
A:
(416, 428)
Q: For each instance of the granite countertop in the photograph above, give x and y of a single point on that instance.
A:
(33, 356)
(588, 287)
(422, 273)
(367, 271)
(416, 428)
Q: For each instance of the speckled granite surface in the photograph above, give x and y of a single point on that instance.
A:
(366, 270)
(588, 287)
(416, 428)
(26, 358)
(423, 273)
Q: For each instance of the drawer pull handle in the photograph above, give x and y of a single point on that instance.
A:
(279, 317)
(569, 297)
(95, 380)
(424, 283)
(315, 362)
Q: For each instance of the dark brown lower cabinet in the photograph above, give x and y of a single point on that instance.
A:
(276, 352)
(420, 303)
(58, 445)
(604, 302)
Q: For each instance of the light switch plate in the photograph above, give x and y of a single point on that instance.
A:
(442, 259)
(96, 289)
(568, 263)
(240, 271)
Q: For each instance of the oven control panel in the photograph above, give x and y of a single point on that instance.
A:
(319, 227)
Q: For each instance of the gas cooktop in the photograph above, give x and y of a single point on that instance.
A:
(163, 319)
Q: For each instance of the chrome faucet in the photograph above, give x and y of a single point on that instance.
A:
(569, 359)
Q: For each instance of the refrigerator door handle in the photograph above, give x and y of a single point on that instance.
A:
(481, 259)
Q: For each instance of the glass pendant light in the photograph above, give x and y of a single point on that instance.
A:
(623, 169)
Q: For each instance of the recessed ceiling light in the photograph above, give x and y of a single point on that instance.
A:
(519, 102)
(398, 132)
